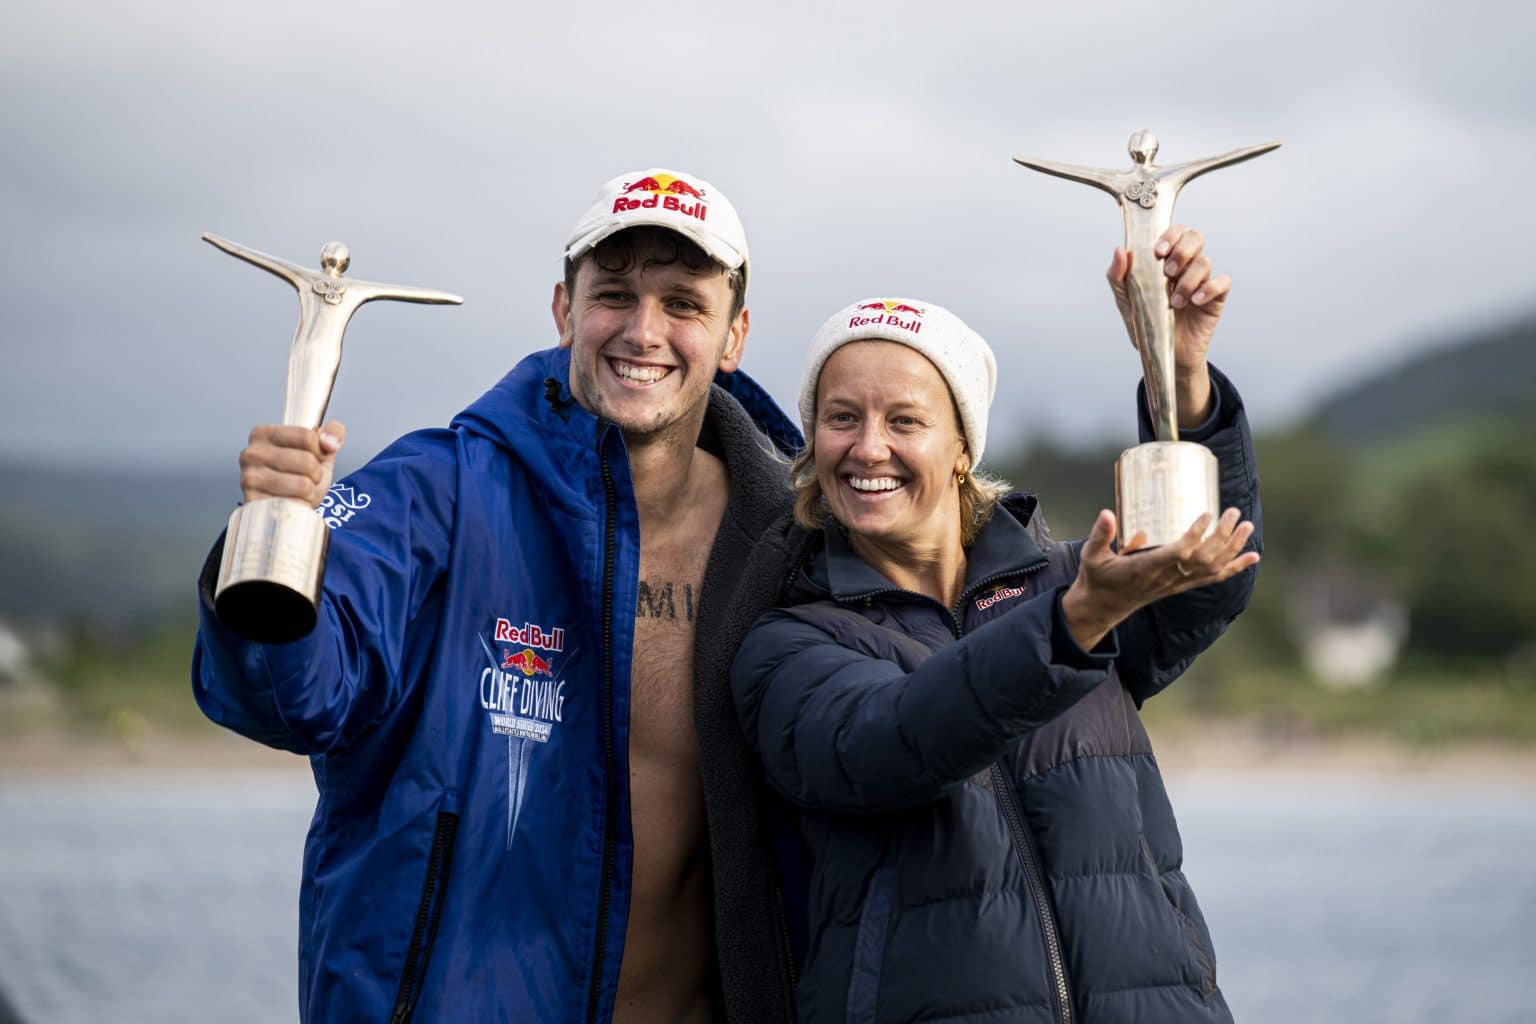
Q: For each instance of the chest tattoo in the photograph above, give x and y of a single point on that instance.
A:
(665, 600)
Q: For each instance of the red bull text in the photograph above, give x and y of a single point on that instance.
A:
(698, 210)
(914, 324)
(530, 636)
(1000, 594)
(522, 707)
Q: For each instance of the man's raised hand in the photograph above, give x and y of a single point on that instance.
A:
(290, 462)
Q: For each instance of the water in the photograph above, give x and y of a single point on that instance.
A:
(132, 899)
(152, 900)
(1407, 902)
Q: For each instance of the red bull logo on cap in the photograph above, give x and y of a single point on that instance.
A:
(665, 191)
(888, 311)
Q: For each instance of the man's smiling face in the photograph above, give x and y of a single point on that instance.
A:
(649, 320)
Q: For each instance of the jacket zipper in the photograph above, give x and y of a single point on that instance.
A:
(786, 947)
(610, 809)
(428, 914)
(1002, 791)
(1021, 843)
(1023, 847)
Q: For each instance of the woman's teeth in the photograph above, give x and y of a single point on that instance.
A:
(879, 483)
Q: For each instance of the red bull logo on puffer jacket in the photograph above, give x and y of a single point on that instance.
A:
(996, 594)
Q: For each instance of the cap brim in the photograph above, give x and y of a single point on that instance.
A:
(716, 250)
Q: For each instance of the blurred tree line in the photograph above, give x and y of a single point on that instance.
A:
(1442, 519)
(1417, 486)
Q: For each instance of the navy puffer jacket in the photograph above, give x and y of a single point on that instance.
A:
(991, 836)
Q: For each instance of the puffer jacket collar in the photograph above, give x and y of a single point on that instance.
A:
(1004, 547)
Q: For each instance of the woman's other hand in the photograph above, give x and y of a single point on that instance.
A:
(1112, 585)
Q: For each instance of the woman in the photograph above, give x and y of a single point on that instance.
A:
(949, 697)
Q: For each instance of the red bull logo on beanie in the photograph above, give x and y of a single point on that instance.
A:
(890, 311)
(664, 191)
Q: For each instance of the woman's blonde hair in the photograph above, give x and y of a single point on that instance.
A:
(979, 496)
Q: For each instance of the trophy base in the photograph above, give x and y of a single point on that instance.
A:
(1161, 488)
(269, 578)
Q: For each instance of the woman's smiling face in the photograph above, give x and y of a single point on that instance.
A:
(888, 445)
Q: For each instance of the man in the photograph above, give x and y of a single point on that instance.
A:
(534, 801)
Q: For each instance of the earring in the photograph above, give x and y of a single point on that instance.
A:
(960, 479)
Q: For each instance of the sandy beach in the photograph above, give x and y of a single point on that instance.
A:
(1189, 748)
(1228, 747)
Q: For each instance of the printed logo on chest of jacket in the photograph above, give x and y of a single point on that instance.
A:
(522, 694)
(519, 686)
(997, 594)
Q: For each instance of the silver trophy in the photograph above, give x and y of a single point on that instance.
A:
(274, 550)
(1163, 486)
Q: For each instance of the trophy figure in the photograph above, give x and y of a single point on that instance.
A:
(274, 549)
(1163, 486)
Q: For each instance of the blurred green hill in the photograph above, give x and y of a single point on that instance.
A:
(119, 549)
(1414, 489)
(1437, 404)
(1402, 509)
(107, 550)
(1491, 377)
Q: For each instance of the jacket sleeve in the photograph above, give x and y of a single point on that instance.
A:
(1159, 642)
(317, 694)
(838, 728)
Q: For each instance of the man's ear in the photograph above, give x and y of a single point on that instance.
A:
(561, 310)
(735, 342)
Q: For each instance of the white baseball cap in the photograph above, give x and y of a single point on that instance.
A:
(961, 355)
(669, 199)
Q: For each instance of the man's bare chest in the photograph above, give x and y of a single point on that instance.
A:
(667, 607)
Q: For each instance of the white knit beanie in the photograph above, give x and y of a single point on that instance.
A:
(961, 355)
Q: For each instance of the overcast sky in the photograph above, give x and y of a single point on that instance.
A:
(867, 147)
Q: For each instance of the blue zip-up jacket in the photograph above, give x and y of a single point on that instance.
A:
(992, 838)
(464, 701)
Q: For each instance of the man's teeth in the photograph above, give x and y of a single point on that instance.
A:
(641, 374)
(879, 483)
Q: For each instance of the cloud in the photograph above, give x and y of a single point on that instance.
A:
(867, 147)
